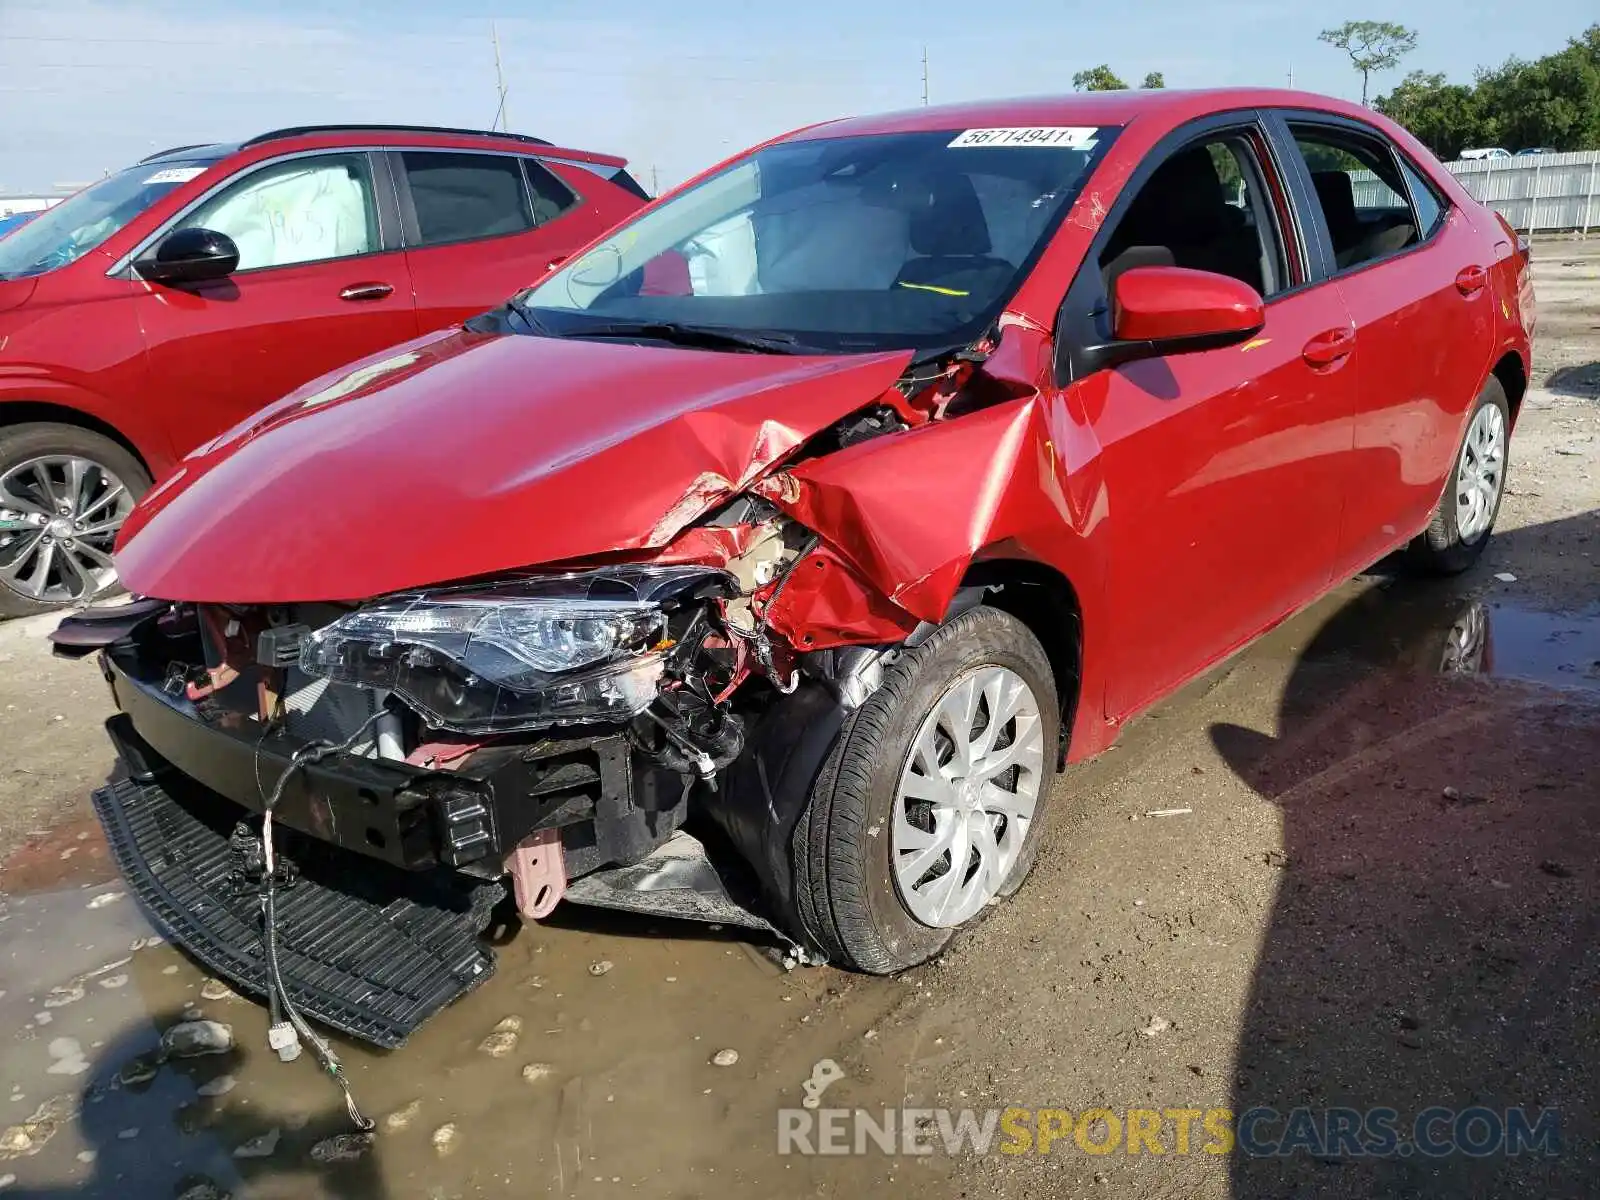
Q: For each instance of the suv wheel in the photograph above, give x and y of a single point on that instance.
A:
(929, 808)
(64, 494)
(1466, 514)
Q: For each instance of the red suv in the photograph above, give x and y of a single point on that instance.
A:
(153, 310)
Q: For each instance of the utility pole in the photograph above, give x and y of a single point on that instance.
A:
(502, 119)
(924, 74)
(1291, 74)
(655, 181)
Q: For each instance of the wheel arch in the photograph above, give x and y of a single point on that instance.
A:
(1512, 373)
(30, 412)
(1046, 601)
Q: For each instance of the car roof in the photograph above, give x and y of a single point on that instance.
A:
(207, 151)
(317, 136)
(1083, 108)
(320, 136)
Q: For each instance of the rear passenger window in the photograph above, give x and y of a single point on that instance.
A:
(551, 197)
(1363, 196)
(458, 197)
(1205, 207)
(1430, 211)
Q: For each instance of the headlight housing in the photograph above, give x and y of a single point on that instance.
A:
(555, 650)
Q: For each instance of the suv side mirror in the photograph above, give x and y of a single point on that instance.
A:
(190, 256)
(1157, 311)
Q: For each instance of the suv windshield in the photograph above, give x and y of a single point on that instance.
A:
(906, 240)
(63, 234)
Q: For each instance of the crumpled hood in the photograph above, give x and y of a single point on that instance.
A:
(465, 453)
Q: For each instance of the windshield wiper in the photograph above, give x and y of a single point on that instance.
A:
(708, 337)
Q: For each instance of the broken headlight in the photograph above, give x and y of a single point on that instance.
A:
(553, 651)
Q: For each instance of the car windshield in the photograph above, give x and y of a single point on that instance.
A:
(905, 240)
(65, 233)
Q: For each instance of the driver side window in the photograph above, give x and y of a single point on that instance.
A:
(297, 211)
(1206, 207)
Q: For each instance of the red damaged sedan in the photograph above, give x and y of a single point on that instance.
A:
(766, 561)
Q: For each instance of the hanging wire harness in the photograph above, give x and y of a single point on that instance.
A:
(288, 1028)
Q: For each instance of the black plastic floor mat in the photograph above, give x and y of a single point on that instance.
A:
(366, 949)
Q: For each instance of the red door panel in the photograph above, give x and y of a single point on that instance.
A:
(220, 351)
(460, 280)
(481, 227)
(1423, 348)
(1225, 471)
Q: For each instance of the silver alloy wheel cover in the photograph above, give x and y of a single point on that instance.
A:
(59, 517)
(1480, 473)
(967, 795)
(1466, 642)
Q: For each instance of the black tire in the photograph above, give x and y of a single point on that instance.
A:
(19, 443)
(844, 880)
(1440, 549)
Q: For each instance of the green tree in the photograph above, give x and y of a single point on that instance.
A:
(1444, 117)
(1098, 79)
(1371, 45)
(1551, 101)
(1155, 79)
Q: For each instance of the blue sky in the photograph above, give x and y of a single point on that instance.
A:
(88, 86)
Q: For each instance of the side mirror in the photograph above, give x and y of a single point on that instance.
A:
(190, 256)
(1157, 311)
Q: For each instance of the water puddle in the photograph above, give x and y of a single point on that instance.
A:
(1411, 626)
(590, 1064)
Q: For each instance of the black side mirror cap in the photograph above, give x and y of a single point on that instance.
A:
(191, 255)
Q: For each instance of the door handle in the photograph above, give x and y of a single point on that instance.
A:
(367, 291)
(1472, 280)
(1329, 347)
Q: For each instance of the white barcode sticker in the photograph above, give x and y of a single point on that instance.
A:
(1063, 137)
(175, 175)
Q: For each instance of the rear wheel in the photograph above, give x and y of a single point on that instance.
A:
(1466, 514)
(64, 494)
(929, 809)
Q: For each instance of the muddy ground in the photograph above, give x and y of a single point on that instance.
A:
(1383, 894)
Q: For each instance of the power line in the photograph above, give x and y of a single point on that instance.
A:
(587, 72)
(337, 39)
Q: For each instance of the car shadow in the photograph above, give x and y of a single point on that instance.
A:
(1432, 947)
(149, 1129)
(1581, 381)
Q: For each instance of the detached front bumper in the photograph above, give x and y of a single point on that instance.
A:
(372, 953)
(406, 816)
(395, 868)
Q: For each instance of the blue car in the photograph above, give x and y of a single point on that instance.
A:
(7, 224)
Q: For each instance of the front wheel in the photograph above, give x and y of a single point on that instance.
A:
(64, 494)
(930, 806)
(1466, 514)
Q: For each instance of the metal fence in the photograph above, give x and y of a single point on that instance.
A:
(1538, 191)
(1546, 193)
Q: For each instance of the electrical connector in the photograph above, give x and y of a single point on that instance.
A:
(283, 1038)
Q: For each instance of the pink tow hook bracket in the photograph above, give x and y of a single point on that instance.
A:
(538, 870)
